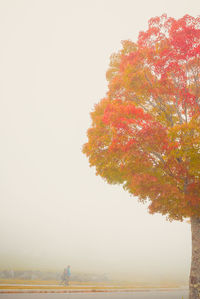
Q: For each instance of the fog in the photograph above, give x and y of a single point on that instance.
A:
(54, 210)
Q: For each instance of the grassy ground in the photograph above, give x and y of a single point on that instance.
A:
(73, 285)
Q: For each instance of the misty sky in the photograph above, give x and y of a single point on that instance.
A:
(54, 210)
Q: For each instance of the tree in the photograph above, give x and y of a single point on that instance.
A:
(145, 133)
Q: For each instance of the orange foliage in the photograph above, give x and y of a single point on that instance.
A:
(145, 133)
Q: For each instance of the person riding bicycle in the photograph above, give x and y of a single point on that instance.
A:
(66, 275)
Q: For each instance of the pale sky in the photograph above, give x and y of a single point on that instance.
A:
(54, 210)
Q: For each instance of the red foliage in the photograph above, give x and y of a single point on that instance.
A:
(146, 132)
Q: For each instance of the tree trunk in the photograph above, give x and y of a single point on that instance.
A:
(195, 265)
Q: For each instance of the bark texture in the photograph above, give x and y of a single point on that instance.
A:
(195, 265)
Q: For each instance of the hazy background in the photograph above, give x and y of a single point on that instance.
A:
(54, 210)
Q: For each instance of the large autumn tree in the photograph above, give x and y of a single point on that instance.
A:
(145, 133)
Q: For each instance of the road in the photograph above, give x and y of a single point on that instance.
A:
(175, 294)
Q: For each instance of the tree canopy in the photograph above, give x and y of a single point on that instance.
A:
(145, 133)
